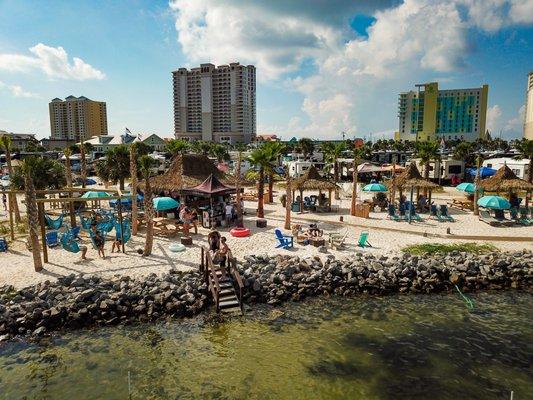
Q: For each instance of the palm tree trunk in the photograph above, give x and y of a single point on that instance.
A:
(33, 218)
(336, 178)
(288, 202)
(68, 176)
(12, 197)
(83, 163)
(354, 189)
(133, 185)
(270, 188)
(476, 192)
(260, 193)
(426, 177)
(149, 213)
(530, 179)
(240, 223)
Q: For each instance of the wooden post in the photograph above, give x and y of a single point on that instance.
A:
(120, 220)
(301, 201)
(11, 224)
(329, 198)
(72, 214)
(40, 209)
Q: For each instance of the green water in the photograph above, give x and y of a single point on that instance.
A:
(402, 347)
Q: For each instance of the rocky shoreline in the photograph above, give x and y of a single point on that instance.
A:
(78, 301)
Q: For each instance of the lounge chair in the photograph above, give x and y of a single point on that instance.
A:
(392, 213)
(336, 240)
(414, 215)
(524, 218)
(52, 239)
(500, 216)
(434, 213)
(363, 240)
(488, 219)
(3, 245)
(445, 214)
(285, 241)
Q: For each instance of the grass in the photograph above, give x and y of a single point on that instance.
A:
(440, 248)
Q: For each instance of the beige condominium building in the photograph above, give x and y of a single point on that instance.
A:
(215, 103)
(77, 118)
(432, 114)
(528, 115)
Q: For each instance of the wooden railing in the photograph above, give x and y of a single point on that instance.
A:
(206, 266)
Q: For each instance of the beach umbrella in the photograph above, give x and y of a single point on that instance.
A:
(466, 187)
(375, 187)
(94, 195)
(494, 202)
(165, 203)
(483, 172)
(90, 181)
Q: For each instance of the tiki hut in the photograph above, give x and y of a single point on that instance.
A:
(505, 180)
(185, 172)
(312, 180)
(410, 178)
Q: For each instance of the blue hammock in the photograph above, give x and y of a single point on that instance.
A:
(106, 226)
(127, 231)
(68, 243)
(85, 222)
(54, 224)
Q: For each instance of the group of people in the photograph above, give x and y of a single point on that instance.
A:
(188, 217)
(219, 249)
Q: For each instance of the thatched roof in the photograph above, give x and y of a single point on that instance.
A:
(504, 180)
(186, 171)
(411, 178)
(312, 180)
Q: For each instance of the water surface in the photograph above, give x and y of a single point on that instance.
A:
(399, 347)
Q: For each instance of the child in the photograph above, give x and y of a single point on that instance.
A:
(98, 241)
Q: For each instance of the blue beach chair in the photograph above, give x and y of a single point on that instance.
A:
(392, 213)
(285, 241)
(52, 239)
(3, 245)
(363, 240)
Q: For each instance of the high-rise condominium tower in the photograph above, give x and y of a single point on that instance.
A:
(77, 118)
(528, 115)
(432, 114)
(215, 103)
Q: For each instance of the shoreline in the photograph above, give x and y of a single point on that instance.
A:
(79, 302)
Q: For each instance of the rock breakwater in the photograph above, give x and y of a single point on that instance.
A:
(80, 301)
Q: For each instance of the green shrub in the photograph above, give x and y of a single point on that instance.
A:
(441, 248)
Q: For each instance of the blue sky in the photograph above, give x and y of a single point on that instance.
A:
(323, 67)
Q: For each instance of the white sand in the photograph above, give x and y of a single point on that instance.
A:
(16, 266)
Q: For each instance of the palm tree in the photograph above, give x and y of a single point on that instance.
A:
(5, 143)
(358, 154)
(177, 146)
(201, 147)
(68, 170)
(260, 158)
(288, 200)
(240, 147)
(305, 146)
(525, 150)
(145, 163)
(464, 151)
(477, 181)
(427, 152)
(116, 166)
(332, 153)
(28, 169)
(274, 150)
(219, 151)
(133, 189)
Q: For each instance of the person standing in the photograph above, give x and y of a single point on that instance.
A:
(4, 201)
(229, 213)
(98, 240)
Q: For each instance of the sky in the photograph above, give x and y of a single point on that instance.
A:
(323, 66)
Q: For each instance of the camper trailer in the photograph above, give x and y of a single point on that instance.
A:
(442, 170)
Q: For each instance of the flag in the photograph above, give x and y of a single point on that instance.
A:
(442, 142)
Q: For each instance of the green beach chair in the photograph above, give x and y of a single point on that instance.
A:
(524, 219)
(363, 240)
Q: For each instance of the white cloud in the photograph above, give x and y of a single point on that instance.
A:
(17, 91)
(494, 114)
(516, 124)
(408, 43)
(52, 61)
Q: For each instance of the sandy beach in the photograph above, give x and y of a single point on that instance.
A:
(17, 266)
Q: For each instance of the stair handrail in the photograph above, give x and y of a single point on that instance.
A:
(213, 271)
(237, 276)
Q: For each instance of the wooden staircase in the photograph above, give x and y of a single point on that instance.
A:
(225, 289)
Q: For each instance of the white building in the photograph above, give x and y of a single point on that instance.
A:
(215, 103)
(444, 169)
(528, 115)
(519, 167)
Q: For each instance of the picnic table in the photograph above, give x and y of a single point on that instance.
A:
(168, 226)
(463, 204)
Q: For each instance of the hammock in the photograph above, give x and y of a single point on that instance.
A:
(127, 231)
(106, 226)
(54, 224)
(85, 222)
(68, 243)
